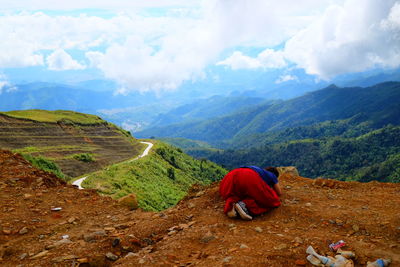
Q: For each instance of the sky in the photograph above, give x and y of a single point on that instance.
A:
(159, 45)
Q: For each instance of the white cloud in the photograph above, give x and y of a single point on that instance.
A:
(356, 36)
(266, 59)
(86, 4)
(61, 60)
(286, 78)
(144, 52)
(5, 85)
(239, 61)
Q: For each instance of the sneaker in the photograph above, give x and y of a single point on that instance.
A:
(232, 213)
(240, 207)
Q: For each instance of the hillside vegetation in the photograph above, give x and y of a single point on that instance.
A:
(159, 180)
(65, 142)
(346, 133)
(372, 156)
(377, 106)
(54, 116)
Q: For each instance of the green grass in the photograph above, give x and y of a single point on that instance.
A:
(54, 116)
(45, 164)
(43, 149)
(159, 180)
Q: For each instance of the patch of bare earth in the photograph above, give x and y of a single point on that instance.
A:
(98, 232)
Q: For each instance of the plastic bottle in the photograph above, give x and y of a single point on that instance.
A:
(379, 263)
(346, 253)
(327, 261)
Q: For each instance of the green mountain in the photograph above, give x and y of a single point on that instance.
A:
(215, 106)
(375, 106)
(372, 156)
(347, 133)
(66, 142)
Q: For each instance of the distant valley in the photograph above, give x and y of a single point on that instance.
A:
(326, 126)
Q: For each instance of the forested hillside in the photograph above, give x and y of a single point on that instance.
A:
(215, 106)
(375, 106)
(373, 156)
(345, 133)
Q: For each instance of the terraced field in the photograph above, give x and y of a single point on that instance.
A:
(64, 137)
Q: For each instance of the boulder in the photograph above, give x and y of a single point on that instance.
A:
(129, 201)
(288, 170)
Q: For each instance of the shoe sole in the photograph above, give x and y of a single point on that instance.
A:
(242, 213)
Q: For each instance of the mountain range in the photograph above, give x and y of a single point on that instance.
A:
(375, 106)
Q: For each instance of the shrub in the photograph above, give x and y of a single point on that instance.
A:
(45, 164)
(85, 157)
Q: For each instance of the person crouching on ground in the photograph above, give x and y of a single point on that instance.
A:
(250, 191)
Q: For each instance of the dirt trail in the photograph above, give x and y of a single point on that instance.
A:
(195, 232)
(79, 182)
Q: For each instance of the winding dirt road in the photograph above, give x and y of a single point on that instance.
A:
(78, 182)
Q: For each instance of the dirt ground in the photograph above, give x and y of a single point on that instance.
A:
(91, 230)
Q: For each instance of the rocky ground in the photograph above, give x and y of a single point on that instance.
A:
(91, 230)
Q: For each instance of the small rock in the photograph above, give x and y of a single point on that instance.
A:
(199, 194)
(6, 231)
(23, 231)
(227, 259)
(40, 254)
(355, 227)
(207, 237)
(172, 232)
(64, 258)
(298, 240)
(93, 236)
(243, 246)
(23, 256)
(111, 256)
(183, 226)
(116, 242)
(59, 243)
(131, 254)
(280, 247)
(191, 205)
(258, 229)
(27, 195)
(308, 204)
(71, 220)
(129, 201)
(339, 221)
(142, 261)
(300, 262)
(83, 260)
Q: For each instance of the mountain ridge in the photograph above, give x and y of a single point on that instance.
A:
(313, 107)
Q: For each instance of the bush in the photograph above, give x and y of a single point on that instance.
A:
(45, 164)
(85, 157)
